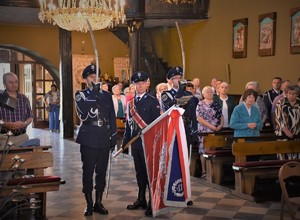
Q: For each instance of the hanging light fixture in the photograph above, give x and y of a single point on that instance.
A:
(71, 15)
(176, 2)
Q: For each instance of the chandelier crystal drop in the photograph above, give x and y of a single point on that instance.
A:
(72, 15)
(176, 2)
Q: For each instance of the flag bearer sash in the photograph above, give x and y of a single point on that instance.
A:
(166, 156)
(136, 117)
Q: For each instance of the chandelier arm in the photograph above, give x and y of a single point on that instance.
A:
(182, 48)
(95, 49)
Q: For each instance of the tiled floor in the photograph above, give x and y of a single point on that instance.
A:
(68, 203)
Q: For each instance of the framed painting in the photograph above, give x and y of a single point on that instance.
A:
(240, 35)
(267, 34)
(295, 31)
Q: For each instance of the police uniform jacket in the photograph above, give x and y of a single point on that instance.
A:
(88, 104)
(189, 116)
(148, 108)
(269, 97)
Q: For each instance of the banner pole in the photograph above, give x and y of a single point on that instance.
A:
(126, 146)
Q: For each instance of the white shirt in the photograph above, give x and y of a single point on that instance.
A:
(225, 112)
(248, 109)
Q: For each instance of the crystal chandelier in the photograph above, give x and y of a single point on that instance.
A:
(180, 1)
(72, 15)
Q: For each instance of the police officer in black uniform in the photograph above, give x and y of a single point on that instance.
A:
(147, 107)
(171, 97)
(97, 136)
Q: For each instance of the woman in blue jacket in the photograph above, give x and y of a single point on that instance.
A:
(246, 119)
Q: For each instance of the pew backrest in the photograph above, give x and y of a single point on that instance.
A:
(241, 149)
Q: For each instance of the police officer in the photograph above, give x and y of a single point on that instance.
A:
(142, 110)
(170, 98)
(97, 136)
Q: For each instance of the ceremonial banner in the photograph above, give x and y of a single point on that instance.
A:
(166, 155)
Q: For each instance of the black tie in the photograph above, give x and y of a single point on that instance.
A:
(138, 99)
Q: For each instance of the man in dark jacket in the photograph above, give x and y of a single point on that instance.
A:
(172, 97)
(97, 136)
(270, 95)
(142, 110)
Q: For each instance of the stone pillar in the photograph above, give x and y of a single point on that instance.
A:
(66, 82)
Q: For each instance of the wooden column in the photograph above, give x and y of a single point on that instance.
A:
(66, 81)
(134, 29)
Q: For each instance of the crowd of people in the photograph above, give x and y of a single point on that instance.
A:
(207, 110)
(277, 108)
(265, 102)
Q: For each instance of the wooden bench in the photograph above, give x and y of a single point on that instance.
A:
(195, 163)
(36, 160)
(217, 153)
(247, 171)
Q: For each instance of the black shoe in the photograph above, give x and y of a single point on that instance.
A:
(148, 212)
(137, 204)
(88, 211)
(89, 204)
(190, 203)
(98, 207)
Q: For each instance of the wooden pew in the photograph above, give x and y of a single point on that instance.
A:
(36, 159)
(217, 152)
(195, 163)
(247, 171)
(121, 122)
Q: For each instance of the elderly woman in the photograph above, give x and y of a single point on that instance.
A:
(259, 102)
(119, 101)
(210, 119)
(287, 114)
(246, 119)
(226, 101)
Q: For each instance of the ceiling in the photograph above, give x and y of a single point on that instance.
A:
(19, 12)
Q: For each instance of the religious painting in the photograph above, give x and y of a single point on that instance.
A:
(240, 32)
(295, 31)
(267, 34)
(121, 69)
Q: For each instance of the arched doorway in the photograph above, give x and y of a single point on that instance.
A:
(36, 75)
